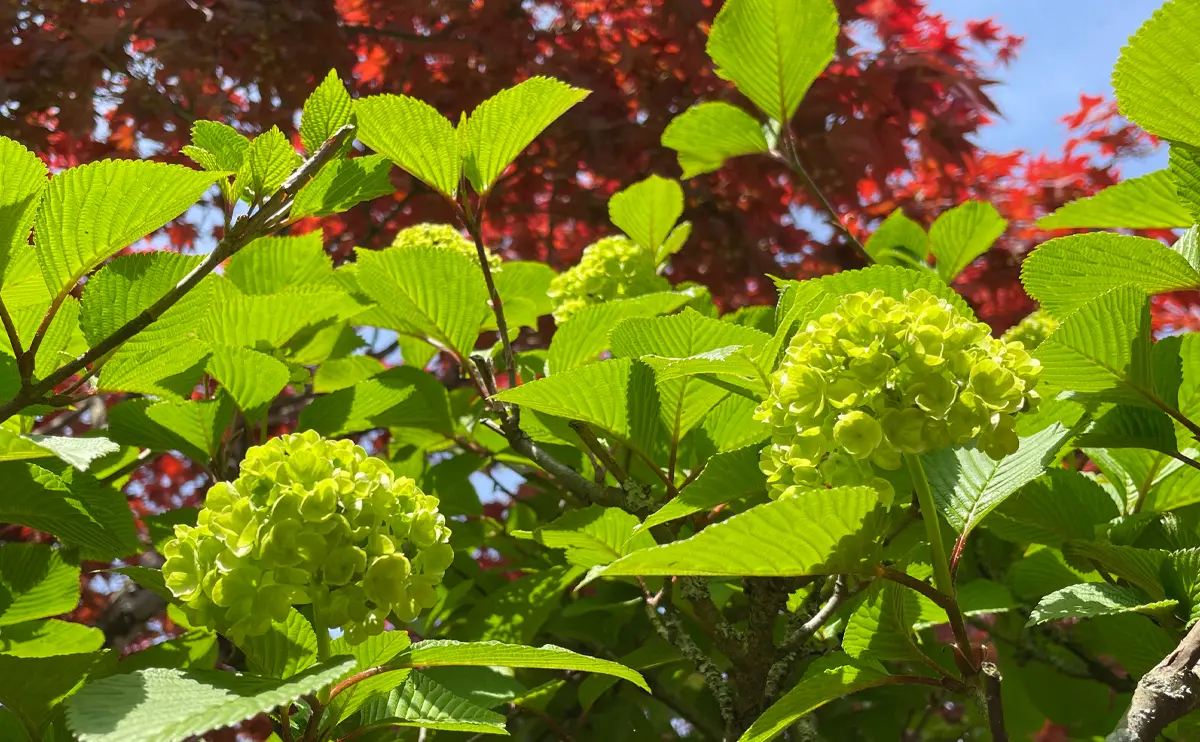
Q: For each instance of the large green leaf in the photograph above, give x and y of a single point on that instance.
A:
(594, 535)
(829, 678)
(413, 135)
(495, 654)
(35, 582)
(708, 134)
(161, 705)
(962, 234)
(196, 649)
(1142, 567)
(1145, 202)
(516, 611)
(373, 652)
(1059, 506)
(49, 637)
(22, 183)
(32, 687)
(1102, 351)
(194, 427)
(1065, 273)
(72, 506)
(401, 397)
(253, 379)
(1184, 172)
(92, 211)
(270, 265)
(773, 49)
(284, 650)
(829, 531)
(440, 293)
(1126, 426)
(647, 210)
(585, 336)
(1091, 599)
(1154, 79)
(881, 626)
(422, 702)
(126, 287)
(899, 241)
(79, 451)
(502, 126)
(343, 183)
(968, 484)
(269, 321)
(726, 477)
(326, 110)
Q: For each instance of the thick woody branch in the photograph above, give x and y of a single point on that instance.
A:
(1166, 693)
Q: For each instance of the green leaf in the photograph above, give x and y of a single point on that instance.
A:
(1090, 599)
(271, 265)
(501, 127)
(253, 379)
(35, 582)
(32, 687)
(968, 484)
(1142, 567)
(402, 396)
(516, 612)
(284, 650)
(421, 702)
(223, 142)
(343, 373)
(267, 322)
(92, 211)
(149, 578)
(1125, 426)
(268, 161)
(963, 233)
(881, 626)
(1065, 273)
(725, 478)
(731, 424)
(193, 427)
(496, 654)
(585, 336)
(773, 49)
(1184, 171)
(594, 535)
(343, 183)
(1132, 640)
(79, 452)
(413, 135)
(326, 110)
(1155, 88)
(526, 280)
(440, 293)
(1102, 351)
(126, 287)
(708, 134)
(827, 679)
(161, 705)
(1059, 506)
(1146, 202)
(22, 183)
(196, 649)
(647, 210)
(831, 531)
(974, 598)
(49, 637)
(373, 652)
(899, 241)
(72, 506)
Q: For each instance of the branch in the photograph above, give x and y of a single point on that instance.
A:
(792, 643)
(964, 658)
(571, 480)
(791, 158)
(1166, 693)
(246, 229)
(993, 705)
(514, 380)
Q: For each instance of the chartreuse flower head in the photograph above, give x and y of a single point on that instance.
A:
(877, 378)
(612, 268)
(1031, 331)
(443, 235)
(315, 521)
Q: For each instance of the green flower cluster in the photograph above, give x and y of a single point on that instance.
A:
(443, 235)
(877, 378)
(1031, 331)
(309, 520)
(611, 268)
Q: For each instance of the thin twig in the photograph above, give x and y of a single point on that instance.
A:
(14, 338)
(510, 360)
(791, 158)
(597, 448)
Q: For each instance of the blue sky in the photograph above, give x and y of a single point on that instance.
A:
(1070, 48)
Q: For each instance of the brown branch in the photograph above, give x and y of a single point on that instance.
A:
(1166, 693)
(995, 708)
(791, 158)
(510, 360)
(965, 656)
(246, 229)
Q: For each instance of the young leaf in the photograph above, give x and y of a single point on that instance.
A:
(962, 234)
(326, 110)
(501, 127)
(35, 582)
(1146, 202)
(22, 183)
(594, 535)
(192, 426)
(828, 531)
(421, 702)
(413, 135)
(585, 336)
(773, 49)
(968, 484)
(357, 407)
(647, 210)
(226, 146)
(829, 678)
(725, 478)
(253, 379)
(440, 293)
(1091, 599)
(92, 211)
(343, 183)
(32, 687)
(1154, 89)
(161, 705)
(284, 650)
(496, 654)
(708, 134)
(126, 287)
(1065, 273)
(899, 241)
(268, 161)
(272, 265)
(373, 652)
